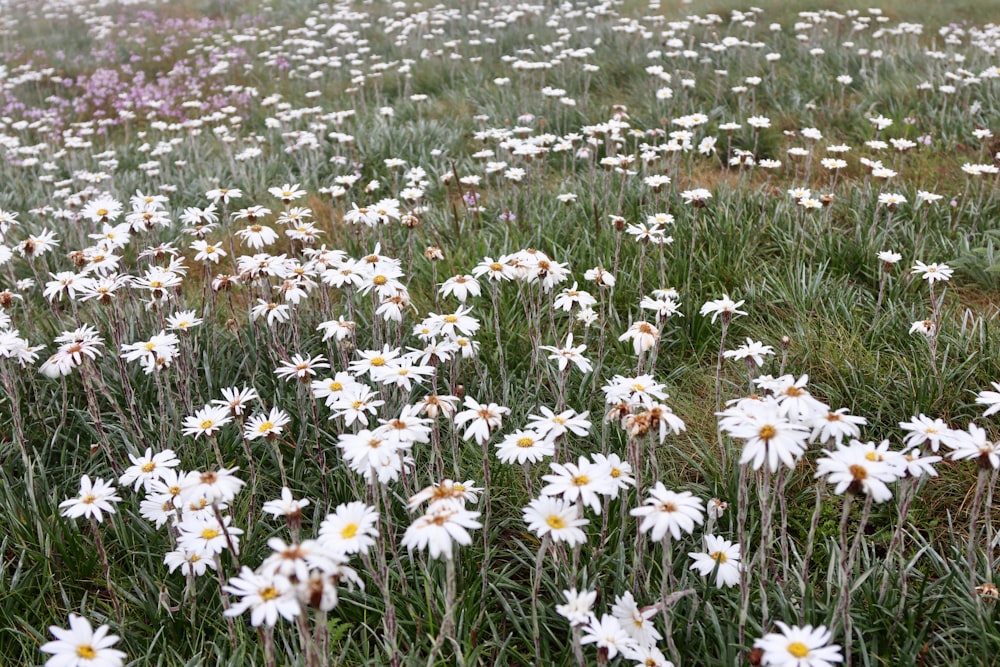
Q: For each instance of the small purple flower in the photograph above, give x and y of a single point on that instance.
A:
(508, 216)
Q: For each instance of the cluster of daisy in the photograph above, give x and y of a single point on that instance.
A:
(386, 398)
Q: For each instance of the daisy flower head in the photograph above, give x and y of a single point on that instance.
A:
(640, 390)
(643, 335)
(268, 426)
(300, 367)
(286, 505)
(751, 351)
(768, 434)
(697, 197)
(857, 468)
(448, 493)
(798, 647)
(439, 528)
(637, 623)
(585, 482)
(102, 209)
(552, 426)
(564, 356)
(991, 399)
(975, 443)
(236, 399)
(577, 609)
(351, 528)
(148, 467)
(668, 511)
(207, 421)
(287, 192)
(888, 258)
(355, 404)
(225, 195)
(216, 486)
(835, 425)
(796, 401)
(272, 312)
(725, 308)
(82, 646)
(556, 518)
(206, 536)
(917, 466)
(932, 272)
(189, 562)
(266, 596)
(95, 497)
(207, 252)
(924, 430)
(461, 287)
(720, 556)
(482, 419)
(607, 633)
(619, 471)
(183, 320)
(525, 446)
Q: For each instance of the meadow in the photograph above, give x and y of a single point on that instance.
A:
(497, 333)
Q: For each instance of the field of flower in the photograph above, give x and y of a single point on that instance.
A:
(497, 333)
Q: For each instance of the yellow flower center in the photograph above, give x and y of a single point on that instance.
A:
(555, 522)
(380, 280)
(349, 531)
(798, 649)
(496, 266)
(207, 424)
(86, 652)
(858, 472)
(268, 593)
(793, 392)
(148, 467)
(265, 427)
(718, 556)
(336, 386)
(767, 432)
(377, 361)
(88, 499)
(210, 249)
(581, 480)
(210, 533)
(525, 442)
(450, 319)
